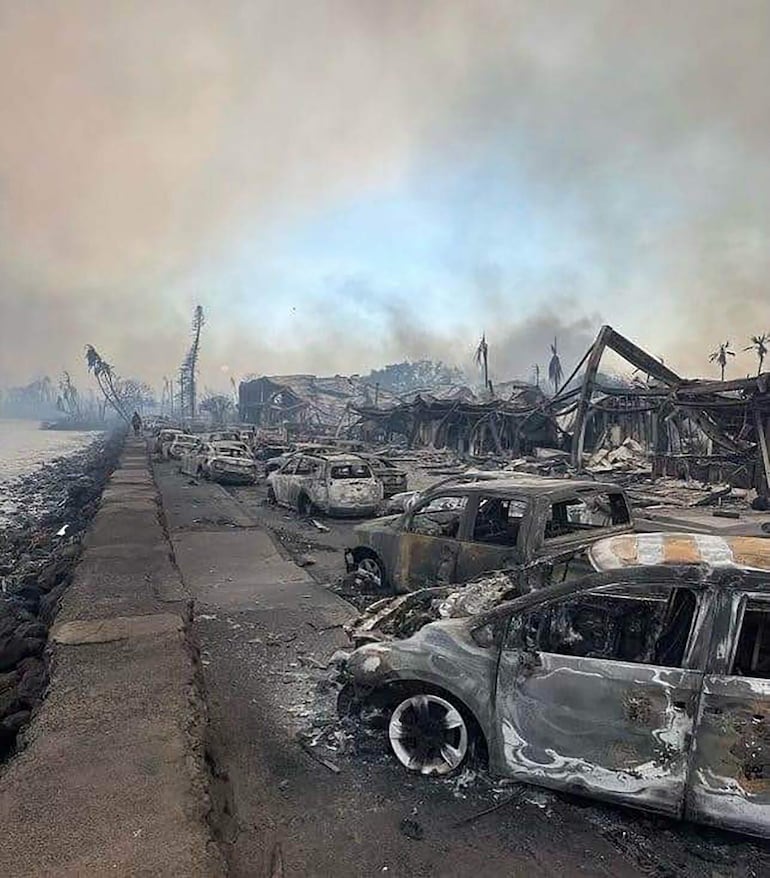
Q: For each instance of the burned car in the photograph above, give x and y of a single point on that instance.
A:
(336, 484)
(165, 439)
(181, 445)
(225, 462)
(394, 480)
(646, 683)
(460, 529)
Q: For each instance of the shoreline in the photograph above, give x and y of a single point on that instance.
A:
(40, 544)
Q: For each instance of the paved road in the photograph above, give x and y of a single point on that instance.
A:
(266, 629)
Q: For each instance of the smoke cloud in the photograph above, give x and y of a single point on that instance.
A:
(142, 144)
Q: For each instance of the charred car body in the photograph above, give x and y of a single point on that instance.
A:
(456, 531)
(394, 479)
(224, 462)
(181, 445)
(646, 683)
(335, 484)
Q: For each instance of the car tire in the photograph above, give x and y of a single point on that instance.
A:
(430, 735)
(370, 564)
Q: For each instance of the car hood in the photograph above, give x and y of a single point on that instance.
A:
(376, 525)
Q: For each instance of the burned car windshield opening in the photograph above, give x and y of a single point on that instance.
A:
(341, 471)
(635, 625)
(752, 655)
(586, 513)
(440, 518)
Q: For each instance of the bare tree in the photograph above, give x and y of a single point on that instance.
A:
(759, 344)
(188, 371)
(68, 400)
(105, 378)
(220, 406)
(481, 359)
(555, 372)
(720, 356)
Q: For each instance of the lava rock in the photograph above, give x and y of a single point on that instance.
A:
(15, 721)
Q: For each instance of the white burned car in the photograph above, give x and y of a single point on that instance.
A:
(180, 446)
(336, 484)
(224, 462)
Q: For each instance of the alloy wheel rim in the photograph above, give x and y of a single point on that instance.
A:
(371, 567)
(428, 735)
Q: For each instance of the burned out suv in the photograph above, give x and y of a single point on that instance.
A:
(458, 530)
(646, 683)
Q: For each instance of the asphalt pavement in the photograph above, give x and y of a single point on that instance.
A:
(298, 793)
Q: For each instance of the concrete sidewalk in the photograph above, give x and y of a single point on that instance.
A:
(113, 777)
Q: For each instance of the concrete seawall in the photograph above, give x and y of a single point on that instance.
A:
(112, 778)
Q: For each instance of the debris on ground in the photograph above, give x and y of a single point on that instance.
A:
(411, 829)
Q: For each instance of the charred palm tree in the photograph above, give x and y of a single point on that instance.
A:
(482, 359)
(105, 378)
(188, 372)
(720, 356)
(555, 373)
(759, 344)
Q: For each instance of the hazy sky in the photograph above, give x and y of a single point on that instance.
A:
(345, 184)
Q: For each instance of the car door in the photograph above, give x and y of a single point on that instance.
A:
(281, 480)
(730, 778)
(429, 543)
(597, 693)
(301, 479)
(495, 535)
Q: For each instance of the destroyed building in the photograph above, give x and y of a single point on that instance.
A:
(302, 405)
(690, 428)
(461, 421)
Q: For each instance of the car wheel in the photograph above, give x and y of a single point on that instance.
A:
(428, 735)
(372, 566)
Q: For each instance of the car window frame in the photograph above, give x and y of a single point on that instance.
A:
(472, 510)
(578, 536)
(426, 501)
(735, 607)
(695, 654)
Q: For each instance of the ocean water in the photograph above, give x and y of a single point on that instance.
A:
(24, 448)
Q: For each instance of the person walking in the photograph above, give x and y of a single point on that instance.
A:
(136, 423)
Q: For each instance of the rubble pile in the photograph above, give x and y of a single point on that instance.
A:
(39, 546)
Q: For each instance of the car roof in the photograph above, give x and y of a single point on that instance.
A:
(680, 549)
(528, 485)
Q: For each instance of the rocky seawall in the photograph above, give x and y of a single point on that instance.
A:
(40, 544)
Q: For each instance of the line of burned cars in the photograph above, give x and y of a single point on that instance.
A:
(332, 477)
(630, 667)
